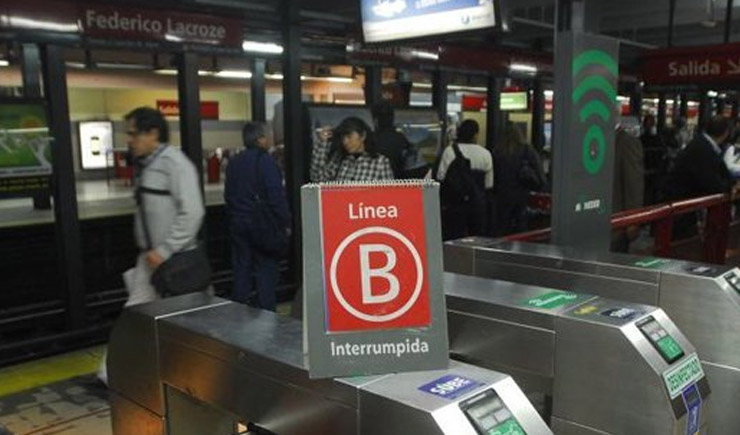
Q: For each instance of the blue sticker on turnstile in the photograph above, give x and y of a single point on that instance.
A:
(450, 386)
(692, 400)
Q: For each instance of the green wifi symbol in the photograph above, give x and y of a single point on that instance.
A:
(593, 110)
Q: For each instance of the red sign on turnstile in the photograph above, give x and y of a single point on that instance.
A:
(374, 244)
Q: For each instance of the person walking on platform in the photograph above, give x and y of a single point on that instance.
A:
(170, 207)
(465, 171)
(348, 153)
(259, 219)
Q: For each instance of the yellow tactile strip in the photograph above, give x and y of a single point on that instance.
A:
(49, 370)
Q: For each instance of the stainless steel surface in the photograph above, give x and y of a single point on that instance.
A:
(603, 373)
(226, 362)
(250, 362)
(129, 418)
(723, 415)
(187, 416)
(695, 295)
(133, 351)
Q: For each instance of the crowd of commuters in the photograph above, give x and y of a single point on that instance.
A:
(483, 192)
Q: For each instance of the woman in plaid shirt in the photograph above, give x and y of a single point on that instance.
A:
(348, 154)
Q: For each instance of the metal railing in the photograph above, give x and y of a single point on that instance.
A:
(714, 236)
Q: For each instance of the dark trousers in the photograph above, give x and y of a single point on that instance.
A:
(255, 273)
(463, 220)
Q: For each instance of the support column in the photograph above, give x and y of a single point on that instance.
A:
(494, 118)
(683, 111)
(440, 82)
(188, 92)
(636, 102)
(373, 85)
(257, 90)
(661, 121)
(735, 106)
(728, 21)
(705, 109)
(296, 152)
(66, 220)
(31, 72)
(538, 114)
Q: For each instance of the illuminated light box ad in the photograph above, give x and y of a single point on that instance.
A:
(96, 144)
(389, 20)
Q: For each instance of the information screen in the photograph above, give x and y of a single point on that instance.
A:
(668, 348)
(490, 416)
(390, 20)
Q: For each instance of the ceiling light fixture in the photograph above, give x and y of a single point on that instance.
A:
(262, 47)
(4, 62)
(234, 74)
(524, 68)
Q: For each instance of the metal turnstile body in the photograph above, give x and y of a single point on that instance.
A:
(703, 299)
(606, 364)
(197, 364)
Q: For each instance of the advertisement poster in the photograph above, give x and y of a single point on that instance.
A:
(388, 20)
(25, 148)
(423, 130)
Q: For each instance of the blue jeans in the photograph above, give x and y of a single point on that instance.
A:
(255, 273)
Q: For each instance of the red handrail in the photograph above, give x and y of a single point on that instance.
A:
(715, 231)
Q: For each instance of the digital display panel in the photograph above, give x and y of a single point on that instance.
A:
(490, 416)
(514, 101)
(666, 345)
(390, 20)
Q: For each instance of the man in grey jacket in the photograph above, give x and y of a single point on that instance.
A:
(168, 193)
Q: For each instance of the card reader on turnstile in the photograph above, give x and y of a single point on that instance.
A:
(661, 340)
(490, 416)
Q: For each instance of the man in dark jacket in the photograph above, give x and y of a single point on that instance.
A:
(388, 141)
(700, 170)
(253, 180)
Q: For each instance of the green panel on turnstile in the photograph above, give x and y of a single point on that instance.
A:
(669, 348)
(509, 427)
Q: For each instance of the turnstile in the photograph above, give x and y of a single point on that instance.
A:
(703, 299)
(197, 364)
(610, 367)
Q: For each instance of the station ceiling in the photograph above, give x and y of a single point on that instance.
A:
(639, 24)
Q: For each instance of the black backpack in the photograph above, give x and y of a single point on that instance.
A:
(460, 186)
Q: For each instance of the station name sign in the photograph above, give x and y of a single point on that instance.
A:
(110, 22)
(693, 66)
(114, 23)
(374, 301)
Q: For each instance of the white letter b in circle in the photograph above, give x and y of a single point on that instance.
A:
(384, 272)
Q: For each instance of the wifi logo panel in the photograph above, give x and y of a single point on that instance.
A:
(594, 97)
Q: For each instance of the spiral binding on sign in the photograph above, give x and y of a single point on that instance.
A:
(371, 183)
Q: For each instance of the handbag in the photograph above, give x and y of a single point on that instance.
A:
(264, 230)
(185, 271)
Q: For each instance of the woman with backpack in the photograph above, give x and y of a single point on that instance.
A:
(466, 172)
(518, 171)
(348, 153)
